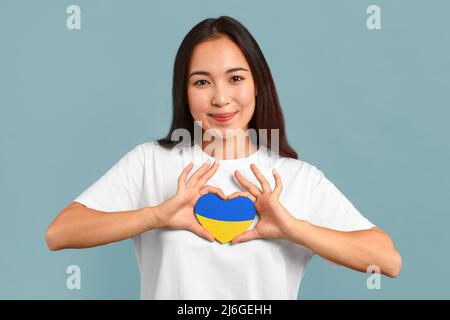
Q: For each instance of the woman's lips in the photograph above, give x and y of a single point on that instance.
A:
(223, 117)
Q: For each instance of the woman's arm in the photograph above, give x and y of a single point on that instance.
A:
(354, 249)
(78, 226)
(357, 250)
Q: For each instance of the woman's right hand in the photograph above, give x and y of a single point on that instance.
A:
(178, 211)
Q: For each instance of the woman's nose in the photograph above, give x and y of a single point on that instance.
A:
(221, 96)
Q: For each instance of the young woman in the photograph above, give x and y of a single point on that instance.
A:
(222, 86)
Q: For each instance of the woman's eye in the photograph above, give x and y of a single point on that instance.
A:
(200, 82)
(204, 82)
(237, 78)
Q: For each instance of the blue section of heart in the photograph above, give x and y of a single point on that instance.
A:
(212, 206)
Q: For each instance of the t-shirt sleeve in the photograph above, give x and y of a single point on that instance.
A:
(120, 188)
(329, 208)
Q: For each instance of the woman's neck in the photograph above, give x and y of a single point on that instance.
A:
(232, 148)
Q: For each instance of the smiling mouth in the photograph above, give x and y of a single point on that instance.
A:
(223, 117)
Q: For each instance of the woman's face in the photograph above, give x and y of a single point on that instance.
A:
(220, 87)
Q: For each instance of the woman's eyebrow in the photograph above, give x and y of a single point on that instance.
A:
(205, 73)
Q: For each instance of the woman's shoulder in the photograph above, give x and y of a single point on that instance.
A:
(148, 146)
(154, 150)
(298, 167)
(151, 146)
(293, 164)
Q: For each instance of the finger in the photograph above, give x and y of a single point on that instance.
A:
(247, 184)
(246, 236)
(199, 230)
(262, 180)
(211, 189)
(183, 175)
(211, 171)
(241, 194)
(200, 171)
(278, 183)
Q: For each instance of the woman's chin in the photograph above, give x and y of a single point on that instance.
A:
(226, 131)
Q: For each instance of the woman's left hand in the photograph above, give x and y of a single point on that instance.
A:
(274, 220)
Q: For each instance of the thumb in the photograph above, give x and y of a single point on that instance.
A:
(199, 230)
(246, 236)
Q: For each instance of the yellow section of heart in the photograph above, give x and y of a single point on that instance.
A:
(224, 231)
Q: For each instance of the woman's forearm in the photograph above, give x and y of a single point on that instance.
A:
(83, 227)
(355, 249)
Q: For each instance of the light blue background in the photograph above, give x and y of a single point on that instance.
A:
(369, 108)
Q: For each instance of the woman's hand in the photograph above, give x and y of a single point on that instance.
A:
(274, 220)
(178, 211)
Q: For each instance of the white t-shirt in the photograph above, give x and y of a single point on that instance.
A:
(177, 264)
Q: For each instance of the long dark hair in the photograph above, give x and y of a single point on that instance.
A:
(268, 114)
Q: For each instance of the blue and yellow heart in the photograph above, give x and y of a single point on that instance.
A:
(225, 219)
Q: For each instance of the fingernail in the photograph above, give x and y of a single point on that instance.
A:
(274, 170)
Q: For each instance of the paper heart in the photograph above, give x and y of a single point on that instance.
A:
(225, 219)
